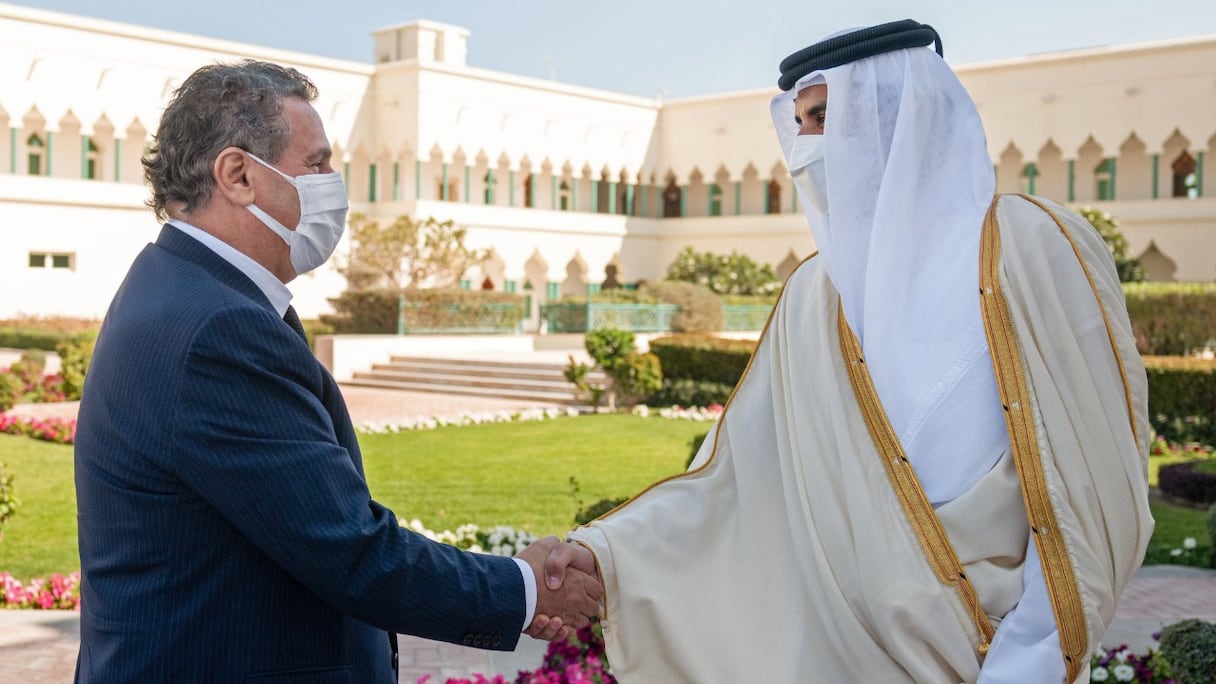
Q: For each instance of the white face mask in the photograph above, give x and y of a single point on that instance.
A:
(323, 209)
(808, 168)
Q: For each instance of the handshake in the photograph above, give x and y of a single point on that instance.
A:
(568, 588)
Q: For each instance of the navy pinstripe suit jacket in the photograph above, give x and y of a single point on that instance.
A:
(226, 530)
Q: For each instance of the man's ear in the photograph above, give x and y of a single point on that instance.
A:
(231, 173)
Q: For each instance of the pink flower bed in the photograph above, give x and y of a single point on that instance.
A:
(58, 430)
(56, 592)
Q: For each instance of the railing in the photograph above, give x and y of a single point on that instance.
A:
(745, 316)
(423, 317)
(564, 317)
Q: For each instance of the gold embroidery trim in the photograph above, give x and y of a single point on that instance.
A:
(925, 523)
(1015, 398)
(1110, 333)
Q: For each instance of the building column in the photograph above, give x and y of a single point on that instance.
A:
(443, 187)
(1072, 180)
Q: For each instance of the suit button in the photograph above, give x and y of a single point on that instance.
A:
(495, 641)
(468, 640)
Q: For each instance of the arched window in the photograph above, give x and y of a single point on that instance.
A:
(1104, 175)
(35, 151)
(1186, 176)
(528, 191)
(715, 200)
(451, 190)
(563, 196)
(1030, 173)
(489, 194)
(772, 202)
(672, 195)
(91, 156)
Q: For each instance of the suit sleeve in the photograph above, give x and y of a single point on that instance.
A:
(254, 440)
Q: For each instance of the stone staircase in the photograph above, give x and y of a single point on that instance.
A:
(537, 381)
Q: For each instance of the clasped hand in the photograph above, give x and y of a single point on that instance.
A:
(568, 589)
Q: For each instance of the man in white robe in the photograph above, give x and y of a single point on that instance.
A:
(934, 468)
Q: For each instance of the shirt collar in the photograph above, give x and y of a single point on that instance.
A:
(274, 289)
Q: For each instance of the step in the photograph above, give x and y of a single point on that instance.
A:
(405, 375)
(480, 362)
(522, 372)
(551, 397)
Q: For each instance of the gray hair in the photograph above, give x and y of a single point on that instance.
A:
(219, 106)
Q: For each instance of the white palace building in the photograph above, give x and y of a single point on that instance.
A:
(562, 183)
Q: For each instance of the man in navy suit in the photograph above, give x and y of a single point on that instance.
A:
(226, 529)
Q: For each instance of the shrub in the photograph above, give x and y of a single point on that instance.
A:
(1190, 649)
(8, 500)
(685, 392)
(694, 446)
(597, 509)
(1129, 268)
(11, 390)
(608, 347)
(1185, 481)
(1211, 525)
(633, 376)
(637, 377)
(365, 312)
(1171, 318)
(700, 308)
(736, 274)
(314, 327)
(1181, 394)
(75, 353)
(703, 358)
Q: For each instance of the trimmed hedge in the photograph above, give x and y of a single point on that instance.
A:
(43, 333)
(685, 392)
(1185, 481)
(1182, 398)
(703, 358)
(375, 311)
(1171, 318)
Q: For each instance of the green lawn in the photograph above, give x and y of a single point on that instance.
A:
(515, 474)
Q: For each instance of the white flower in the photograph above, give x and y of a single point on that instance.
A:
(1188, 543)
(1176, 552)
(1124, 673)
(1099, 674)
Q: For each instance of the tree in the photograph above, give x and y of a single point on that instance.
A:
(1130, 269)
(736, 274)
(406, 254)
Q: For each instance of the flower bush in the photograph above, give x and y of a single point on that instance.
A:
(57, 430)
(58, 591)
(31, 385)
(467, 418)
(577, 661)
(1121, 665)
(499, 540)
(693, 413)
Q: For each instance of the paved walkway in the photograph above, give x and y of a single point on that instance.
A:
(40, 646)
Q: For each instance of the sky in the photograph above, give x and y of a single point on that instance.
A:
(668, 48)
